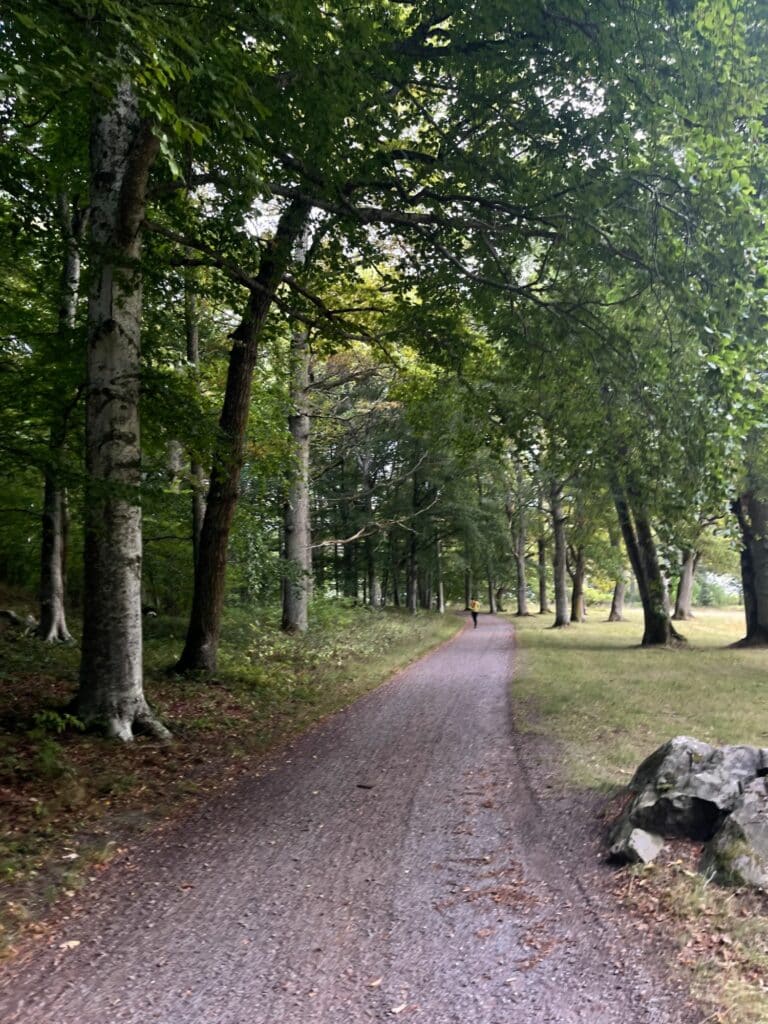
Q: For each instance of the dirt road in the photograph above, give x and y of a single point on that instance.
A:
(393, 864)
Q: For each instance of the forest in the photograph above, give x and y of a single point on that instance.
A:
(400, 303)
(322, 323)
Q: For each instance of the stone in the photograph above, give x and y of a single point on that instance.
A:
(631, 845)
(738, 853)
(687, 788)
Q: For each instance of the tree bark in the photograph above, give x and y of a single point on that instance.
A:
(616, 613)
(684, 596)
(559, 560)
(491, 592)
(202, 641)
(111, 694)
(522, 569)
(439, 574)
(635, 528)
(296, 517)
(412, 581)
(192, 333)
(578, 609)
(541, 546)
(751, 512)
(53, 622)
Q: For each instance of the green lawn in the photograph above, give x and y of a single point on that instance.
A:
(611, 702)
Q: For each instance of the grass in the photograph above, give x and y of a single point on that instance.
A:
(609, 703)
(68, 800)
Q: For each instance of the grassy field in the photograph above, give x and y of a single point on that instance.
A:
(609, 703)
(68, 800)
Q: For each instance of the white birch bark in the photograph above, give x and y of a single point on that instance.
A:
(297, 520)
(111, 688)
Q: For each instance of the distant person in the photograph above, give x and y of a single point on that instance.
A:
(474, 607)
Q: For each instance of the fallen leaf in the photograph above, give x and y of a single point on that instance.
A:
(70, 944)
(375, 984)
(396, 1010)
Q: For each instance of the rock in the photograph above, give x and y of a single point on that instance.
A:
(10, 620)
(738, 853)
(687, 788)
(631, 845)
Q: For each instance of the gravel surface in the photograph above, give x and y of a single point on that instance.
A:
(395, 863)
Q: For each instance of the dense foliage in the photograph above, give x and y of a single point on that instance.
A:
(419, 295)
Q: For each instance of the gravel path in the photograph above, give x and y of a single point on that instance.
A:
(393, 864)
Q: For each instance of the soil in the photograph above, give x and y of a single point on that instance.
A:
(412, 857)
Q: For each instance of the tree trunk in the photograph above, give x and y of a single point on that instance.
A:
(491, 592)
(412, 582)
(541, 546)
(467, 588)
(202, 641)
(518, 526)
(53, 622)
(616, 613)
(522, 569)
(439, 574)
(395, 570)
(578, 609)
(192, 332)
(638, 538)
(296, 518)
(559, 560)
(752, 514)
(684, 597)
(111, 694)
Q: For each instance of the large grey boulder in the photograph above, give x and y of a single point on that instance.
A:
(738, 853)
(687, 788)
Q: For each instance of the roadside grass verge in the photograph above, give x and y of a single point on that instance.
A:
(609, 703)
(68, 800)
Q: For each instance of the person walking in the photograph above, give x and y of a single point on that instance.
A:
(474, 607)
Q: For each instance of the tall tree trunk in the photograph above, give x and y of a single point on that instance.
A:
(751, 512)
(202, 641)
(578, 609)
(522, 570)
(559, 560)
(541, 546)
(425, 589)
(53, 623)
(439, 575)
(111, 694)
(296, 517)
(491, 592)
(467, 588)
(395, 569)
(516, 513)
(684, 596)
(412, 578)
(638, 538)
(192, 332)
(616, 613)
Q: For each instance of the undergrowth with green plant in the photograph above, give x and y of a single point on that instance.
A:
(68, 799)
(609, 703)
